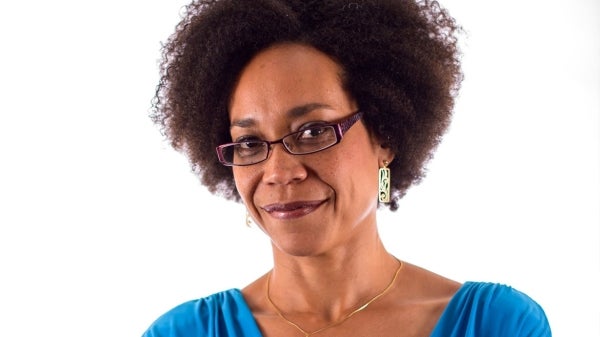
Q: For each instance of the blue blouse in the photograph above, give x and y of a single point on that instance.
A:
(477, 310)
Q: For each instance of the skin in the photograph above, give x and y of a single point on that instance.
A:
(319, 210)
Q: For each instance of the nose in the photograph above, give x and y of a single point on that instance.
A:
(283, 167)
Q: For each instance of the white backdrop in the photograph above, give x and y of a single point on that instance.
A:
(103, 227)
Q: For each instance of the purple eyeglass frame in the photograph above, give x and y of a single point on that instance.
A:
(340, 129)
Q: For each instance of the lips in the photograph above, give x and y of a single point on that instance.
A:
(292, 210)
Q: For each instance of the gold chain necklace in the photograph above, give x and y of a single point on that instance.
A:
(361, 308)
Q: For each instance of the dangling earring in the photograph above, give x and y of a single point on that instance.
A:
(248, 220)
(384, 182)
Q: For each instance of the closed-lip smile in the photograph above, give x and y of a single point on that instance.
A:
(292, 210)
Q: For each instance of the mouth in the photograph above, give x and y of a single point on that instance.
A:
(292, 210)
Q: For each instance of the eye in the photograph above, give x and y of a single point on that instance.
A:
(316, 134)
(248, 145)
(250, 149)
(312, 132)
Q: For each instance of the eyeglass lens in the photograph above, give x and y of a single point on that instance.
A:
(301, 142)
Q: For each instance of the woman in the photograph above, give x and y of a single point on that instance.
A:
(321, 112)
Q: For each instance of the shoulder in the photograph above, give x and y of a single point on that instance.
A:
(201, 317)
(492, 309)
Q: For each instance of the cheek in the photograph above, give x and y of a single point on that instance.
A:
(339, 169)
(357, 169)
(244, 183)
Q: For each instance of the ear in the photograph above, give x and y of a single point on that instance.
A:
(384, 152)
(385, 155)
(381, 148)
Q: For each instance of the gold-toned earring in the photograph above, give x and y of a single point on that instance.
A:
(248, 220)
(384, 182)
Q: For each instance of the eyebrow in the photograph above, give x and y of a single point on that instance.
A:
(294, 112)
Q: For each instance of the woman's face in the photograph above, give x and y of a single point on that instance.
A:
(307, 204)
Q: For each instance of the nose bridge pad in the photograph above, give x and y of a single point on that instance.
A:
(273, 147)
(286, 147)
(282, 166)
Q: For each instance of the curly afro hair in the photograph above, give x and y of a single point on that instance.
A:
(400, 60)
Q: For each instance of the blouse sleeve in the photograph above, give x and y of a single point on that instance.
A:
(224, 314)
(513, 313)
(492, 310)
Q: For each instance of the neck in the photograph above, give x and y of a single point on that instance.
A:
(330, 286)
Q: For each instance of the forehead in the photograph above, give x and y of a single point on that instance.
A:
(291, 56)
(286, 76)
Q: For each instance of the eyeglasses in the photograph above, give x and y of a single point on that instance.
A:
(310, 140)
